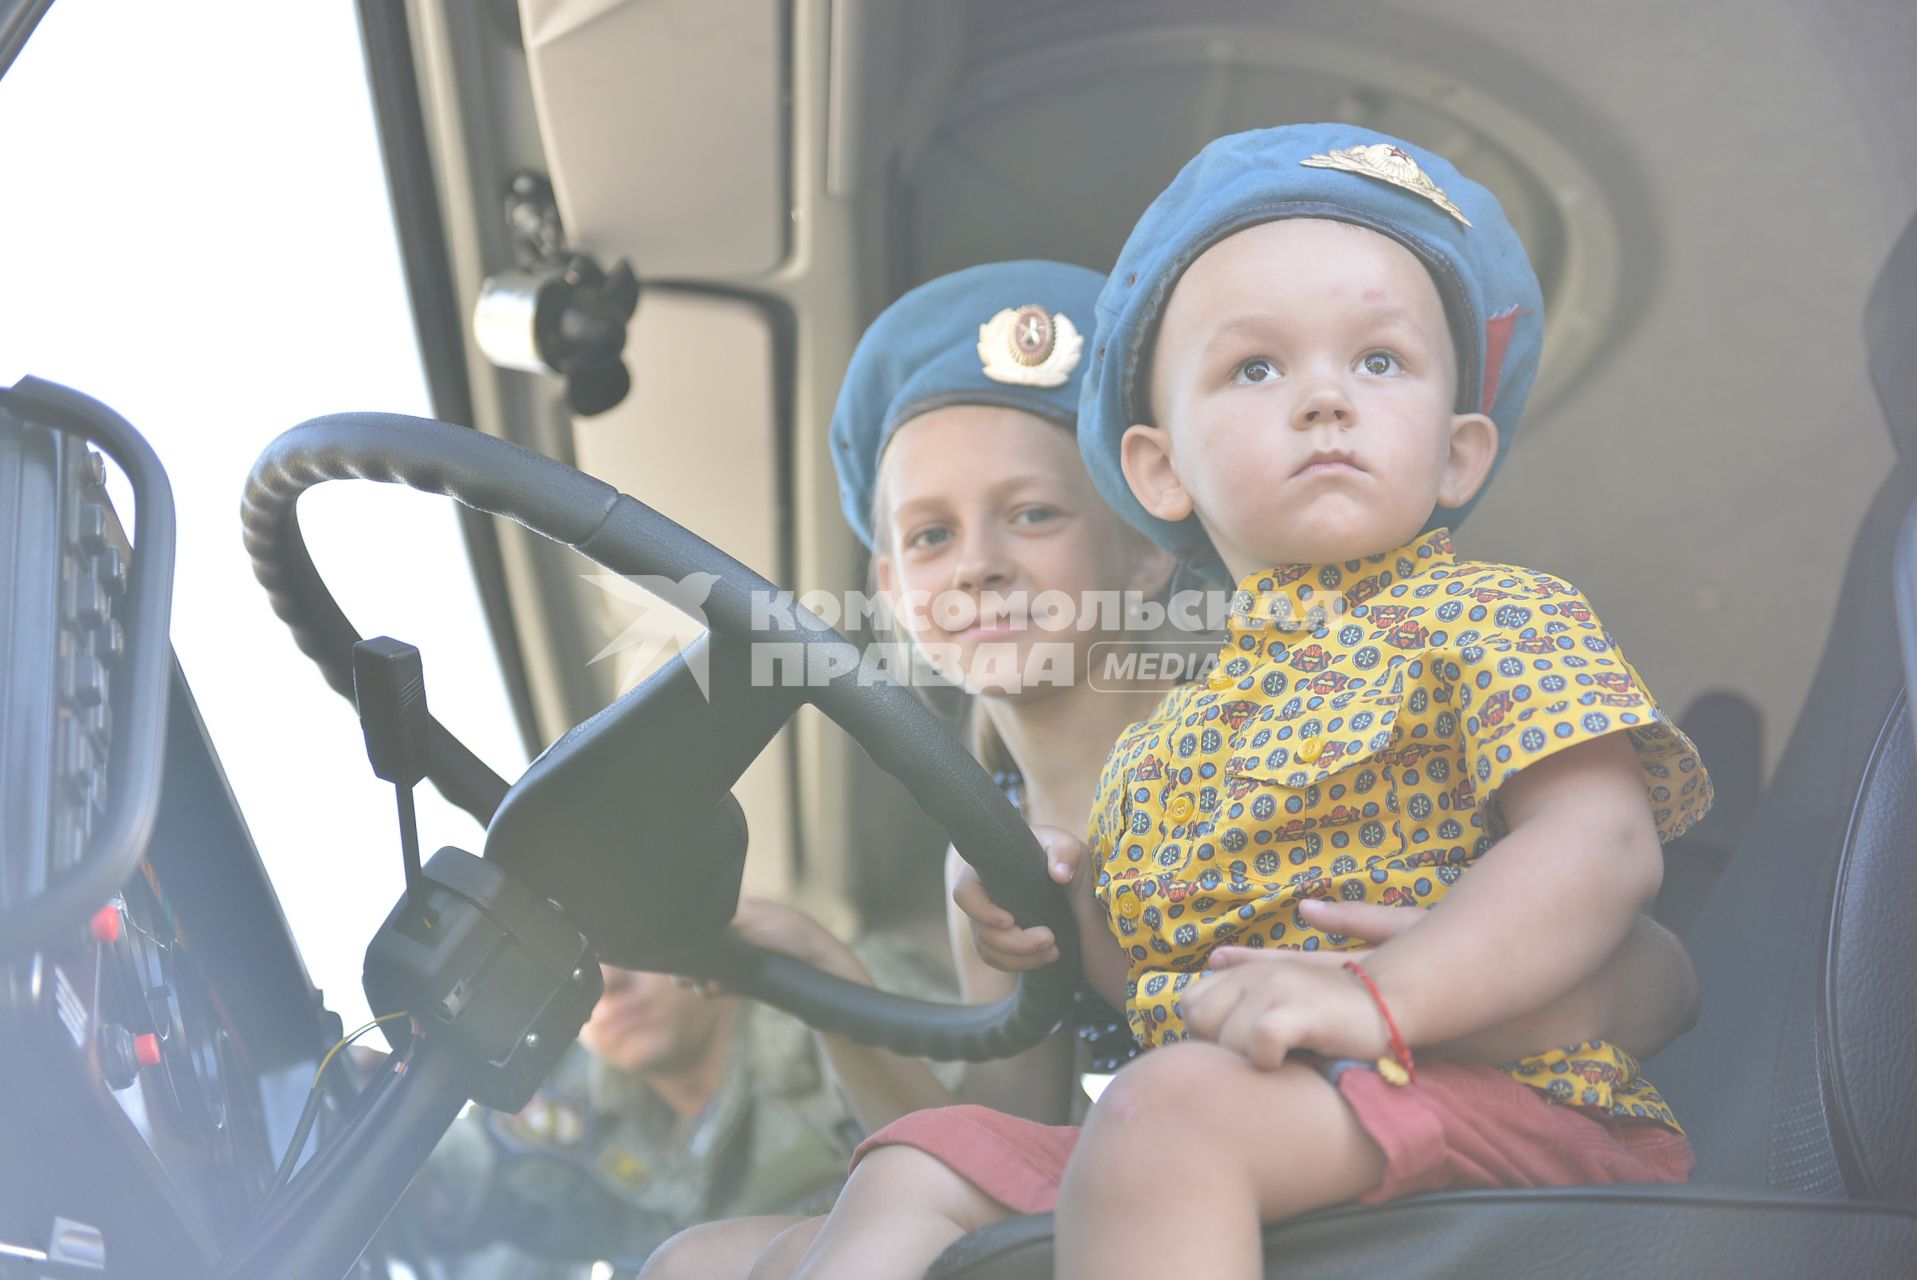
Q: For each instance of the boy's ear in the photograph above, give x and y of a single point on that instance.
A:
(1144, 455)
(885, 572)
(1474, 447)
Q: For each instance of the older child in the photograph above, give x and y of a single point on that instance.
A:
(959, 469)
(1312, 354)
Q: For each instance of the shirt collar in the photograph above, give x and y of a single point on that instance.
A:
(1309, 597)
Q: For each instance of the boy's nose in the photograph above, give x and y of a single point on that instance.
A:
(1326, 404)
(982, 564)
(978, 575)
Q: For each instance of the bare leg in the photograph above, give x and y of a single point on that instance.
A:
(783, 1254)
(1195, 1135)
(714, 1250)
(897, 1213)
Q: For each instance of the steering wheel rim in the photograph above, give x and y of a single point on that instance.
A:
(628, 537)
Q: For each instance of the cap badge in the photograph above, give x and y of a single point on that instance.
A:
(1029, 347)
(1391, 164)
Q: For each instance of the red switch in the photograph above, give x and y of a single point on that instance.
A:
(146, 1048)
(106, 924)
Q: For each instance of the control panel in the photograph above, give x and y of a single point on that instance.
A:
(69, 565)
(157, 1046)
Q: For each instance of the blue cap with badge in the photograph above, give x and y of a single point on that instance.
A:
(1453, 225)
(1006, 333)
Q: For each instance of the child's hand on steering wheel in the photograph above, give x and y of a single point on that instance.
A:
(1000, 941)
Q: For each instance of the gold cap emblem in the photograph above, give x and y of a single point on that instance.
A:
(1029, 346)
(1391, 164)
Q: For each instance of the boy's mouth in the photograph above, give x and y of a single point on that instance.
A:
(1327, 462)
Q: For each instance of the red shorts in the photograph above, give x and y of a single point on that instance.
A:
(1460, 1125)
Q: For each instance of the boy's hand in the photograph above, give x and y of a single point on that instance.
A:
(1365, 921)
(1285, 1001)
(1260, 1013)
(1000, 942)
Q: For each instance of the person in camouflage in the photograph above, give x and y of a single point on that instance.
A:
(675, 1108)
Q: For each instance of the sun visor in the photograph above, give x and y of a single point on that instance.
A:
(664, 130)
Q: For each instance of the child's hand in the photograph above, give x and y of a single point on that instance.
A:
(1365, 921)
(1267, 1004)
(1370, 922)
(1000, 942)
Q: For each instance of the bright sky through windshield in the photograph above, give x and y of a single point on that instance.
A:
(197, 233)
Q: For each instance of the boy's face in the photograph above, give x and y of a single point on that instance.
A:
(1303, 383)
(987, 510)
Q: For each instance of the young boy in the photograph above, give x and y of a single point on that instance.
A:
(1315, 349)
(1310, 357)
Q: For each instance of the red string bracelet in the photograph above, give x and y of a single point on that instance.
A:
(1398, 1068)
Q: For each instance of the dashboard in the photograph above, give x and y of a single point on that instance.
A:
(155, 1051)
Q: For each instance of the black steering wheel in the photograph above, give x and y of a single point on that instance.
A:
(627, 821)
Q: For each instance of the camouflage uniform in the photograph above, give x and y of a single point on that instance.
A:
(598, 1167)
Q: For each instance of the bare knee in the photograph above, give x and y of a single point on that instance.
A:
(1187, 1103)
(781, 1257)
(1219, 1119)
(1174, 1086)
(683, 1256)
(715, 1249)
(898, 1211)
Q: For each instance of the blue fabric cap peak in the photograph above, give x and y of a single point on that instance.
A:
(1337, 171)
(922, 353)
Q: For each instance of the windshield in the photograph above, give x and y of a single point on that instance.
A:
(199, 236)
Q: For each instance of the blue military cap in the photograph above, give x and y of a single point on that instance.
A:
(1006, 333)
(1338, 171)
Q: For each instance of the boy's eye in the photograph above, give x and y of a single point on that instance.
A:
(1036, 515)
(1379, 363)
(927, 538)
(1254, 371)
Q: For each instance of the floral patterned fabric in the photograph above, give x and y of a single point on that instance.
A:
(1350, 744)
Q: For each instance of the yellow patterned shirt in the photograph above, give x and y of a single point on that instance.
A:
(1350, 744)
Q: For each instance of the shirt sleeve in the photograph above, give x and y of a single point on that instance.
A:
(1538, 673)
(1108, 802)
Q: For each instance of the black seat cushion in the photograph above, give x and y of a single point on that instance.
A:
(1598, 1233)
(1870, 1032)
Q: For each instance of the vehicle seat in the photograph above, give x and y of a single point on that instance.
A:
(1796, 1085)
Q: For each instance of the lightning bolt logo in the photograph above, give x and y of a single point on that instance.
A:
(653, 634)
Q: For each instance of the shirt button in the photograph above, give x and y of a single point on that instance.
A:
(1309, 750)
(1219, 680)
(1130, 905)
(1180, 808)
